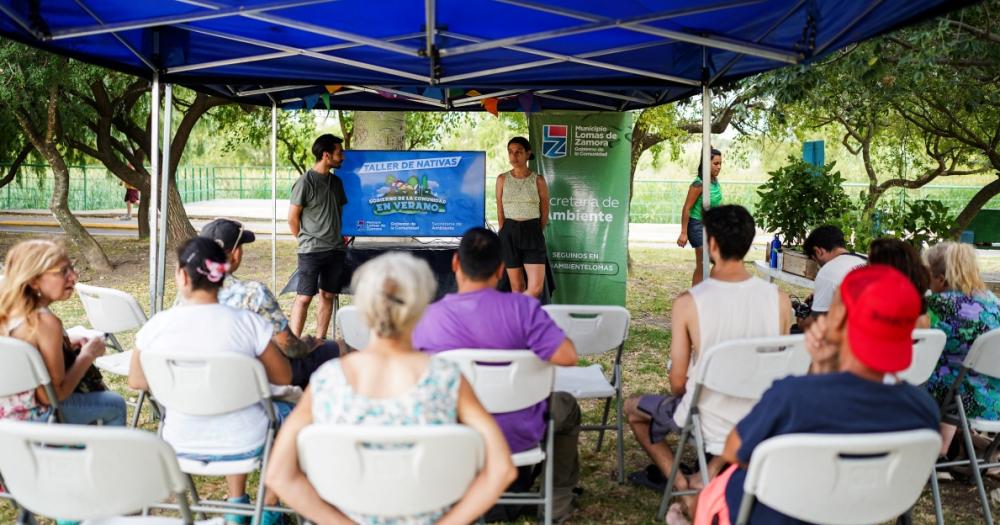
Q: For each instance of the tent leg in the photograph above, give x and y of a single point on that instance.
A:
(154, 172)
(274, 196)
(706, 161)
(164, 197)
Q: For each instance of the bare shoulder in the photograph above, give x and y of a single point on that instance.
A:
(49, 321)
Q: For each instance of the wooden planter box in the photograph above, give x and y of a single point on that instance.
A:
(797, 263)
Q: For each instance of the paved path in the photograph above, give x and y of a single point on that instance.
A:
(256, 215)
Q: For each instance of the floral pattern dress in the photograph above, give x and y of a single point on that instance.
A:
(963, 318)
(432, 401)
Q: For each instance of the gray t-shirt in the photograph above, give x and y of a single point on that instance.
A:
(322, 199)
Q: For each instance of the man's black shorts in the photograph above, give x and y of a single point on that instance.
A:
(320, 271)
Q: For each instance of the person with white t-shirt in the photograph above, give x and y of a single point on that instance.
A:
(826, 246)
(201, 326)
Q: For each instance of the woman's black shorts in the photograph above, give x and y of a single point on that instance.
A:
(522, 242)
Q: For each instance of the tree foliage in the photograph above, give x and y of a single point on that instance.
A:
(915, 105)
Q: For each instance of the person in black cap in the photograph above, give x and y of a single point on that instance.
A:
(306, 354)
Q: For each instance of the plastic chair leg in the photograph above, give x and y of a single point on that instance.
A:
(936, 496)
(604, 422)
(974, 463)
(674, 471)
(621, 440)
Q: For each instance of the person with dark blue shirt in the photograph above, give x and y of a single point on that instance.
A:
(866, 336)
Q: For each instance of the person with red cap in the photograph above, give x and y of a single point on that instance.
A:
(865, 336)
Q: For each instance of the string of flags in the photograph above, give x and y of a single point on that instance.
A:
(527, 102)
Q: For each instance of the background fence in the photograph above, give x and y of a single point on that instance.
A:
(654, 201)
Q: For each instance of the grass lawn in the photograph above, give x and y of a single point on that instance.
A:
(658, 275)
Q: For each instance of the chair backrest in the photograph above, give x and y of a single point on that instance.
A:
(390, 471)
(352, 326)
(110, 310)
(77, 472)
(842, 479)
(594, 329)
(747, 367)
(984, 356)
(504, 380)
(204, 384)
(21, 367)
(927, 347)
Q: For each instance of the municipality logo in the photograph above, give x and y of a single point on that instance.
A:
(554, 140)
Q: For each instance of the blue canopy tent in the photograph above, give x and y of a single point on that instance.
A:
(443, 55)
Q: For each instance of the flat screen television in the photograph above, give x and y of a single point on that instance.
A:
(413, 193)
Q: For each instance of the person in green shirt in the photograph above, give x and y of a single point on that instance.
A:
(691, 228)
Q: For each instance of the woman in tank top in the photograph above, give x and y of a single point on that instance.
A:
(523, 212)
(692, 230)
(38, 273)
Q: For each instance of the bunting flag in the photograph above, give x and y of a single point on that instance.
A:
(455, 92)
(386, 94)
(528, 103)
(491, 106)
(472, 93)
(435, 93)
(311, 101)
(333, 88)
(326, 100)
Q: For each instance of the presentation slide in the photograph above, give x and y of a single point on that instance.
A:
(413, 193)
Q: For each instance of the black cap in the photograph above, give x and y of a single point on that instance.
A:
(227, 233)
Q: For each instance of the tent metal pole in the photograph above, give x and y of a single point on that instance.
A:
(278, 55)
(154, 175)
(765, 34)
(269, 90)
(178, 19)
(706, 161)
(164, 196)
(298, 51)
(274, 195)
(726, 44)
(605, 107)
(857, 20)
(142, 58)
(597, 23)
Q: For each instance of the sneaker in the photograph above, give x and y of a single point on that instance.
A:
(237, 519)
(271, 517)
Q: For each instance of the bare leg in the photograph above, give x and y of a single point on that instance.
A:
(947, 434)
(516, 277)
(660, 453)
(697, 276)
(324, 312)
(237, 485)
(300, 309)
(536, 279)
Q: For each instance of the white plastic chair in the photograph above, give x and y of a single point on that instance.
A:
(928, 344)
(743, 368)
(112, 311)
(207, 385)
(506, 381)
(984, 359)
(390, 471)
(840, 479)
(22, 369)
(594, 330)
(352, 326)
(76, 472)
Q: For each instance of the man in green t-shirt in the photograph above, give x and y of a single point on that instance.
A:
(314, 218)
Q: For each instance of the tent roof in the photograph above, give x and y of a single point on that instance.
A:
(581, 54)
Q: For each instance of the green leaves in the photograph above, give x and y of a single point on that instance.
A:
(799, 197)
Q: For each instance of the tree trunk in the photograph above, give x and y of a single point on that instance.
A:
(59, 205)
(972, 208)
(179, 227)
(379, 130)
(143, 213)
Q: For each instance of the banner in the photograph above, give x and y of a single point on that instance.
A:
(585, 159)
(413, 193)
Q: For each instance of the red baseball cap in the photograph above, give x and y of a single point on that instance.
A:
(882, 310)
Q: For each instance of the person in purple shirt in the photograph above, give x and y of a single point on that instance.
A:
(479, 316)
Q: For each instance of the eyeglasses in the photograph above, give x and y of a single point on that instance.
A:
(63, 270)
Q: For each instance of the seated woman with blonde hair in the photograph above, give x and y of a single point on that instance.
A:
(961, 306)
(390, 383)
(38, 273)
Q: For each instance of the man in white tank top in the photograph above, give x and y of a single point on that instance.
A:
(730, 304)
